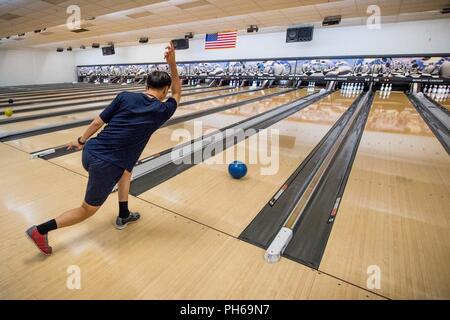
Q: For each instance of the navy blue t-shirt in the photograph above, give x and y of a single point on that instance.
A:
(131, 120)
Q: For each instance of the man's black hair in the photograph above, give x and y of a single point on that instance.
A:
(158, 80)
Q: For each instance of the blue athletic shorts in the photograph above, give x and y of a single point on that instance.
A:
(103, 176)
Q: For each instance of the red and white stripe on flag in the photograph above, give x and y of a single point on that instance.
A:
(221, 40)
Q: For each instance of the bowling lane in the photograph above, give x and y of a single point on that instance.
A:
(206, 193)
(69, 94)
(4, 128)
(47, 92)
(395, 210)
(74, 99)
(76, 91)
(161, 140)
(57, 138)
(74, 104)
(445, 103)
(92, 101)
(31, 124)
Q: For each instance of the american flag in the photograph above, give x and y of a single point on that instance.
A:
(221, 40)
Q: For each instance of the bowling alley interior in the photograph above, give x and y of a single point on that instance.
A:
(225, 150)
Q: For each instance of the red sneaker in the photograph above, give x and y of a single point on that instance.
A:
(39, 240)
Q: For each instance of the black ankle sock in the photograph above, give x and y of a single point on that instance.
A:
(123, 209)
(47, 226)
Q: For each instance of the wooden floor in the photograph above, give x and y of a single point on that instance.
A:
(165, 256)
(393, 215)
(446, 103)
(395, 210)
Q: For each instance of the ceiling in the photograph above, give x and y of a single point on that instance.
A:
(125, 21)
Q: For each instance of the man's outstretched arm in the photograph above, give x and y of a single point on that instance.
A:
(176, 83)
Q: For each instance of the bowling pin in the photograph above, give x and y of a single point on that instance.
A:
(444, 91)
(438, 93)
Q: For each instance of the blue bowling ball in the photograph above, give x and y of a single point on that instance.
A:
(237, 169)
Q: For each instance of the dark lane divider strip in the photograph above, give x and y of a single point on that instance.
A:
(435, 116)
(265, 226)
(312, 232)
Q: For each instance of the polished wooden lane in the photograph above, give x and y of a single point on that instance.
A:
(162, 139)
(61, 137)
(101, 102)
(206, 193)
(30, 124)
(38, 94)
(164, 256)
(445, 103)
(68, 97)
(23, 96)
(395, 210)
(50, 100)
